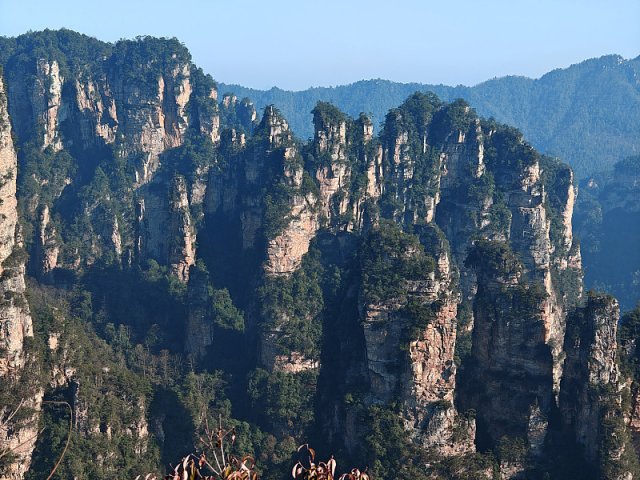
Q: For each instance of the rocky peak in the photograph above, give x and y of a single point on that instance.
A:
(247, 114)
(330, 131)
(275, 127)
(330, 149)
(365, 124)
(229, 100)
(438, 184)
(410, 158)
(238, 114)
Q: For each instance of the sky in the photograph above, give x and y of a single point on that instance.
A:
(296, 44)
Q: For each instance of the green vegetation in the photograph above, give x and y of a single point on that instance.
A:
(112, 398)
(508, 155)
(412, 118)
(390, 257)
(277, 208)
(325, 115)
(73, 51)
(390, 454)
(292, 306)
(143, 60)
(225, 313)
(196, 154)
(285, 398)
(493, 259)
(628, 352)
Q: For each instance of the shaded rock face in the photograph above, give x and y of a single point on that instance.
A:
(165, 231)
(15, 319)
(199, 327)
(182, 249)
(240, 112)
(511, 386)
(47, 248)
(591, 390)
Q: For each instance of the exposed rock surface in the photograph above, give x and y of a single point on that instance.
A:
(182, 246)
(16, 326)
(47, 102)
(199, 327)
(511, 373)
(154, 122)
(47, 249)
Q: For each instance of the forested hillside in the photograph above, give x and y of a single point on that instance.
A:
(607, 221)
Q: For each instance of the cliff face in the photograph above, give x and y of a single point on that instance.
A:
(410, 338)
(285, 251)
(591, 395)
(433, 164)
(117, 118)
(164, 227)
(154, 119)
(18, 389)
(511, 377)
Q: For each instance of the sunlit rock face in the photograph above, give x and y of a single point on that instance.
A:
(16, 326)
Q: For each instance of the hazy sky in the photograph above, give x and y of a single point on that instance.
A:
(295, 44)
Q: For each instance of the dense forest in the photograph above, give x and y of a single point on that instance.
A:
(608, 223)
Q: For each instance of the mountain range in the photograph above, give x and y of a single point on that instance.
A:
(587, 114)
(180, 273)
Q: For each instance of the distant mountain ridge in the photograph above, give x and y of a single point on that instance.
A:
(588, 114)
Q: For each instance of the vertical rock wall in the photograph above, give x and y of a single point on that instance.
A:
(15, 320)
